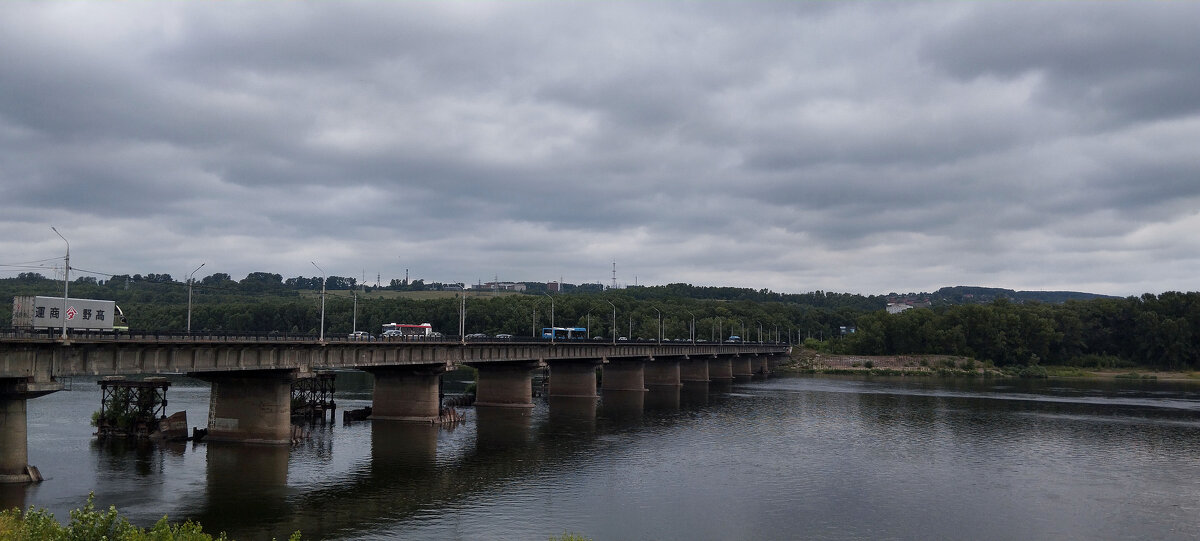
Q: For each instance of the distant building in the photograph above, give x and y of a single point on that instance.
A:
(897, 307)
(502, 286)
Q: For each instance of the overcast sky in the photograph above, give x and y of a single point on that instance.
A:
(860, 147)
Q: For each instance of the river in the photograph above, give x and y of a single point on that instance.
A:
(792, 457)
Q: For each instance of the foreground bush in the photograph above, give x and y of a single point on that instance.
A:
(88, 524)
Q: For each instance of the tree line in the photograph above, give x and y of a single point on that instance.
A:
(1151, 330)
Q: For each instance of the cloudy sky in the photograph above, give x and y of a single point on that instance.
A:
(862, 147)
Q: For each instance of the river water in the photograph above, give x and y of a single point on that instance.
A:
(794, 457)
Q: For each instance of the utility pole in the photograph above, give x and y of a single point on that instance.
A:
(614, 329)
(66, 280)
(354, 318)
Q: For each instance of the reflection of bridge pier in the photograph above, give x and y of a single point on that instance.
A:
(571, 415)
(693, 394)
(245, 483)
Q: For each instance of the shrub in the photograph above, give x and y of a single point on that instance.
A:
(869, 364)
(1033, 371)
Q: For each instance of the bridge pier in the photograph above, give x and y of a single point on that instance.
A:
(250, 406)
(625, 375)
(504, 385)
(764, 365)
(406, 393)
(663, 371)
(720, 367)
(14, 431)
(573, 377)
(693, 371)
(741, 367)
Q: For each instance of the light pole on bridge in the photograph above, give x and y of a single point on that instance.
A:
(66, 280)
(552, 331)
(693, 326)
(189, 317)
(314, 263)
(614, 329)
(659, 337)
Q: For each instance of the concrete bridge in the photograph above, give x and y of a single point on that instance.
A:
(251, 377)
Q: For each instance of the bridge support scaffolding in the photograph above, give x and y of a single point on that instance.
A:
(406, 393)
(573, 378)
(250, 406)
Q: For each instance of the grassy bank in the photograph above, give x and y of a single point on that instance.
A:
(805, 360)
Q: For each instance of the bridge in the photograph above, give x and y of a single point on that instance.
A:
(251, 376)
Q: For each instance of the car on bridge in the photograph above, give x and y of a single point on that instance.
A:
(360, 335)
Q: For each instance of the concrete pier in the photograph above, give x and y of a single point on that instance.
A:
(720, 368)
(693, 370)
(406, 393)
(742, 367)
(14, 446)
(504, 385)
(250, 406)
(663, 371)
(625, 375)
(574, 378)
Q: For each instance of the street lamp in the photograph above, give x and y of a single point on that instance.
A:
(314, 263)
(614, 320)
(659, 337)
(66, 280)
(190, 276)
(552, 331)
(693, 326)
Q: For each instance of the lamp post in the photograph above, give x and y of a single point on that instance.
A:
(760, 332)
(693, 326)
(589, 325)
(659, 337)
(552, 331)
(191, 275)
(66, 280)
(614, 320)
(314, 263)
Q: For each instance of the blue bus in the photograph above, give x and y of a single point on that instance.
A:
(565, 333)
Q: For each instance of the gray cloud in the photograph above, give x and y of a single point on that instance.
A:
(844, 146)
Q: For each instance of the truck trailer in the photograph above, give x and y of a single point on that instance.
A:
(38, 312)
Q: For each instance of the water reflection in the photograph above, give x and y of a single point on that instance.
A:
(662, 398)
(623, 407)
(693, 394)
(499, 428)
(808, 457)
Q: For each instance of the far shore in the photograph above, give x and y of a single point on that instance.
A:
(807, 360)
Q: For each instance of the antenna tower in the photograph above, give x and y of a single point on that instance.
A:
(614, 282)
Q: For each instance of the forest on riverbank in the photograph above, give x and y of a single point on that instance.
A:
(1158, 331)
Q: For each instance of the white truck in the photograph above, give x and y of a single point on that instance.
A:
(37, 312)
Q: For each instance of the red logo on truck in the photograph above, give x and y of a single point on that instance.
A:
(71, 313)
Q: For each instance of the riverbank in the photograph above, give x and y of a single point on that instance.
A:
(812, 361)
